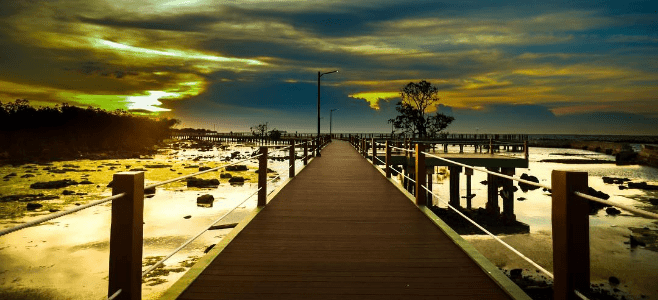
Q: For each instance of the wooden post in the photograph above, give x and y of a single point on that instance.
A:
(491, 146)
(454, 185)
(525, 149)
(388, 159)
(508, 195)
(570, 219)
(305, 152)
(374, 152)
(291, 172)
(468, 172)
(428, 194)
(262, 177)
(420, 175)
(126, 236)
(492, 192)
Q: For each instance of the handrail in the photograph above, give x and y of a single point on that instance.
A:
(612, 203)
(116, 294)
(493, 236)
(154, 266)
(60, 214)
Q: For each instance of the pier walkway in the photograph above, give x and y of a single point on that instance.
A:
(341, 230)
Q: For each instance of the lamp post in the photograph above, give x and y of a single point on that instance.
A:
(331, 111)
(317, 149)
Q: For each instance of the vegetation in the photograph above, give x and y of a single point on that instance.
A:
(261, 131)
(414, 117)
(67, 130)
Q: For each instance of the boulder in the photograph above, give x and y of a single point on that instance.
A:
(528, 187)
(613, 280)
(205, 200)
(237, 168)
(612, 211)
(53, 184)
(202, 183)
(33, 206)
(236, 180)
(516, 273)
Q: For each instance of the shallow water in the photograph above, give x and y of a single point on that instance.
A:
(68, 258)
(635, 267)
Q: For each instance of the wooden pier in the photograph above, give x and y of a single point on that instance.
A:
(342, 230)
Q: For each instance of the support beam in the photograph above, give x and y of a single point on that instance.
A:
(508, 195)
(468, 172)
(492, 193)
(421, 174)
(454, 185)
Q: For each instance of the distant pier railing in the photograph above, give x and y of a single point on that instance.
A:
(570, 204)
(126, 233)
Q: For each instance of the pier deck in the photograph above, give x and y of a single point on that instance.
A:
(341, 230)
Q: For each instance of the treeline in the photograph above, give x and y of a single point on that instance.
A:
(27, 131)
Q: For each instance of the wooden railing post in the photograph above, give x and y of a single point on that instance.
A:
(126, 236)
(374, 152)
(570, 219)
(388, 159)
(525, 149)
(291, 172)
(262, 177)
(491, 146)
(420, 175)
(305, 152)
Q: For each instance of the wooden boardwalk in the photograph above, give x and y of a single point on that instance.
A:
(341, 230)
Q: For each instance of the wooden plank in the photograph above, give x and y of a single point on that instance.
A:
(341, 230)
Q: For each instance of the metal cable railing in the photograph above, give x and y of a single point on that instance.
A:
(622, 206)
(116, 294)
(403, 149)
(154, 266)
(492, 235)
(60, 214)
(396, 171)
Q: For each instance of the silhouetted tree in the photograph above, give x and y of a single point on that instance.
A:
(413, 118)
(259, 130)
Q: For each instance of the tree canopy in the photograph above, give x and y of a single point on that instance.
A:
(414, 117)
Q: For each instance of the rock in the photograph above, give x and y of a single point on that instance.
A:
(598, 194)
(613, 280)
(484, 182)
(110, 184)
(236, 168)
(202, 183)
(636, 242)
(205, 200)
(187, 217)
(521, 198)
(236, 180)
(516, 273)
(149, 191)
(622, 187)
(138, 170)
(204, 168)
(67, 192)
(157, 166)
(223, 226)
(225, 175)
(594, 207)
(53, 184)
(612, 211)
(642, 186)
(27, 176)
(654, 201)
(10, 175)
(86, 182)
(209, 248)
(528, 187)
(53, 210)
(33, 206)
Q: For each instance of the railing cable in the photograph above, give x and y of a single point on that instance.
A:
(396, 171)
(581, 296)
(492, 235)
(625, 207)
(60, 214)
(199, 173)
(403, 149)
(196, 236)
(116, 294)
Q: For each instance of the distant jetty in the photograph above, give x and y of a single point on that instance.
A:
(622, 150)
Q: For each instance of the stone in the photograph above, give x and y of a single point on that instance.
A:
(225, 175)
(236, 168)
(236, 180)
(209, 248)
(202, 183)
(187, 217)
(67, 192)
(653, 201)
(33, 206)
(205, 200)
(204, 168)
(636, 242)
(613, 280)
(516, 273)
(612, 211)
(528, 187)
(149, 191)
(9, 175)
(27, 176)
(86, 182)
(53, 184)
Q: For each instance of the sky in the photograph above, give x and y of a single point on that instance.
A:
(552, 67)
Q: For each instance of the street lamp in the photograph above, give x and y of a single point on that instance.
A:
(331, 111)
(317, 149)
